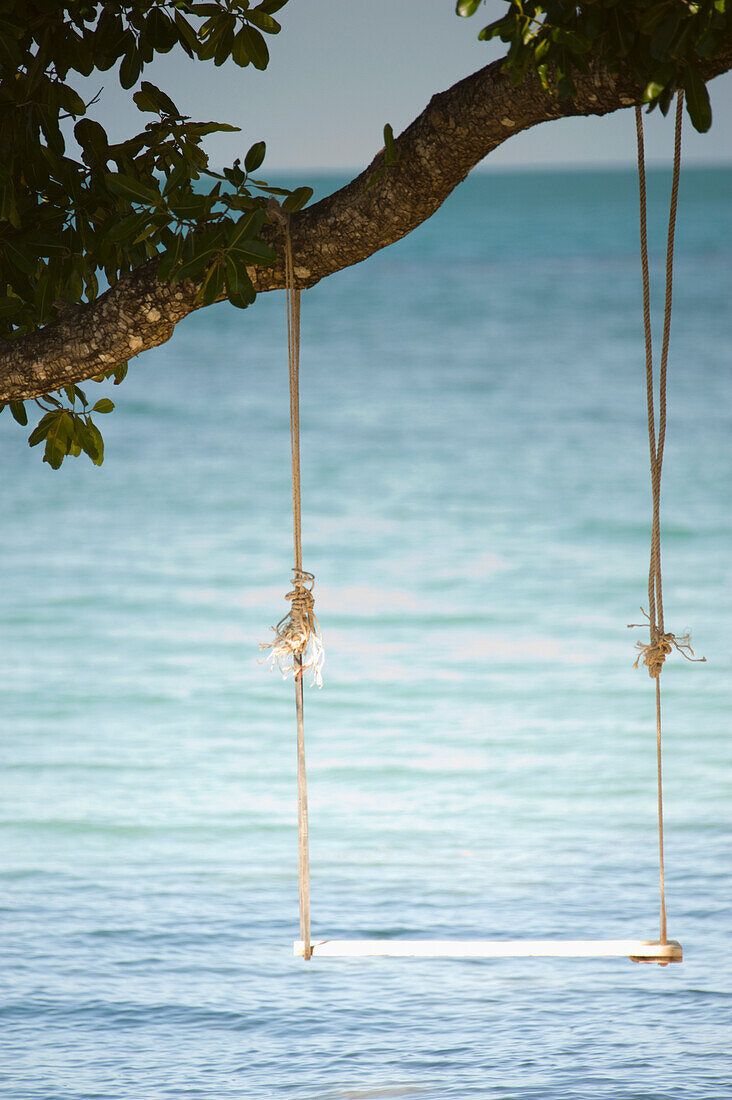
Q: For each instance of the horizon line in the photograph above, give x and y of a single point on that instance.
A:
(559, 166)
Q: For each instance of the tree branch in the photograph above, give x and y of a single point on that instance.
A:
(457, 129)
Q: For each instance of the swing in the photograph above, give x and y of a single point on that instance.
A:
(297, 641)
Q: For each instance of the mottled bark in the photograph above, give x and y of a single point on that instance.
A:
(457, 129)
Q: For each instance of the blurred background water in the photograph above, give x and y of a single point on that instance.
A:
(482, 757)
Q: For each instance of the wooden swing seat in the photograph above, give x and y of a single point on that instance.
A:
(635, 950)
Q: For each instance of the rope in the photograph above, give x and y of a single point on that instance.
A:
(297, 635)
(661, 643)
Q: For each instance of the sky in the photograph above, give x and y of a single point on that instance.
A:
(340, 71)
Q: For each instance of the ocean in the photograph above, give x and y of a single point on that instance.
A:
(476, 510)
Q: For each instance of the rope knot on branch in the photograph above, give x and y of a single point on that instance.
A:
(297, 634)
(655, 652)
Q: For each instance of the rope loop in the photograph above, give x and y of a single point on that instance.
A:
(297, 634)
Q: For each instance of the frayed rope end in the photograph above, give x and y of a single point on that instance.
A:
(654, 653)
(297, 634)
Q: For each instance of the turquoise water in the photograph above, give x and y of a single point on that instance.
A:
(482, 757)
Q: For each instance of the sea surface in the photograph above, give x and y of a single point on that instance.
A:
(482, 755)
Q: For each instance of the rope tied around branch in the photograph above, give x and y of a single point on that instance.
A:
(655, 652)
(297, 634)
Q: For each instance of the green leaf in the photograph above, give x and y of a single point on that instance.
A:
(151, 98)
(241, 301)
(118, 373)
(225, 47)
(170, 259)
(127, 187)
(247, 227)
(467, 7)
(652, 91)
(74, 283)
(297, 199)
(255, 156)
(95, 444)
(239, 51)
(542, 49)
(213, 286)
(130, 68)
(391, 155)
(92, 138)
(18, 410)
(160, 30)
(10, 54)
(42, 428)
(92, 285)
(179, 173)
(59, 438)
(26, 264)
(84, 439)
(54, 453)
(10, 306)
(264, 21)
(189, 207)
(237, 280)
(193, 268)
(149, 230)
(200, 129)
(255, 46)
(186, 34)
(46, 293)
(493, 30)
(127, 229)
(9, 206)
(234, 175)
(108, 38)
(254, 252)
(104, 405)
(70, 100)
(697, 100)
(666, 31)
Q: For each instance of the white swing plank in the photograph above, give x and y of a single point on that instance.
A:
(638, 950)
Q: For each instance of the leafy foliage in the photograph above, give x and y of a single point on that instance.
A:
(69, 228)
(660, 42)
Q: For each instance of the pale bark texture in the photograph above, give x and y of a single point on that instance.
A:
(457, 129)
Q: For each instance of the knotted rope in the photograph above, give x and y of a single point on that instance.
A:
(297, 636)
(662, 642)
(653, 654)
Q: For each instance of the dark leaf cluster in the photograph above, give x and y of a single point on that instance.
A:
(71, 226)
(661, 43)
